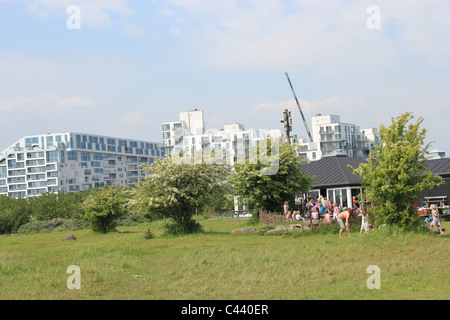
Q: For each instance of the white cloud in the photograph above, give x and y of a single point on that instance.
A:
(329, 37)
(11, 104)
(46, 102)
(134, 118)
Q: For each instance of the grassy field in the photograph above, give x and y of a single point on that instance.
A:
(219, 265)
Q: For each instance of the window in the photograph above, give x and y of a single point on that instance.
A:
(95, 164)
(165, 127)
(49, 141)
(85, 156)
(36, 177)
(98, 156)
(74, 188)
(35, 162)
(111, 142)
(72, 155)
(52, 156)
(63, 157)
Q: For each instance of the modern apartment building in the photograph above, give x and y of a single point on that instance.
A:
(332, 137)
(189, 135)
(72, 162)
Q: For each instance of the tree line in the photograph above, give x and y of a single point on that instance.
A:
(393, 178)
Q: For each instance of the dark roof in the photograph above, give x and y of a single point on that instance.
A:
(333, 171)
(439, 166)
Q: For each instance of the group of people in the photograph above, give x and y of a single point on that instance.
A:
(322, 207)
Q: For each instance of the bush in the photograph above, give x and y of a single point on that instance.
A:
(148, 234)
(52, 225)
(174, 229)
(132, 220)
(103, 207)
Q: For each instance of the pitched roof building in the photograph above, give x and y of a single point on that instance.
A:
(332, 178)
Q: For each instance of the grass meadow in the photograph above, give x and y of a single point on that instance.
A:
(218, 265)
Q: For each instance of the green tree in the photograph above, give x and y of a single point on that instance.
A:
(396, 172)
(13, 214)
(261, 191)
(179, 190)
(103, 207)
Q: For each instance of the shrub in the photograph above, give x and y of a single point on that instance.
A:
(53, 224)
(148, 234)
(174, 229)
(103, 207)
(132, 220)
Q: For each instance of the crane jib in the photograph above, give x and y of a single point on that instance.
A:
(299, 108)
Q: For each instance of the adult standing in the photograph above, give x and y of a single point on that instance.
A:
(344, 215)
(297, 202)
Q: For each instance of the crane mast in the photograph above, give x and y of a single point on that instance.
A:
(299, 108)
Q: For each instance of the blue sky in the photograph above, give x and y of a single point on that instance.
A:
(135, 64)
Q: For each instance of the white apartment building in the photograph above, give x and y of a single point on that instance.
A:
(189, 135)
(70, 162)
(333, 137)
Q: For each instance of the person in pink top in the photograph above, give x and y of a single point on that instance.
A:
(327, 216)
(335, 210)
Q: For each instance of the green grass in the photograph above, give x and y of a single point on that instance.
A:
(220, 265)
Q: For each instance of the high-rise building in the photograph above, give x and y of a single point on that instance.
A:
(71, 162)
(332, 137)
(189, 136)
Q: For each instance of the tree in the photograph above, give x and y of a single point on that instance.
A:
(179, 190)
(269, 191)
(103, 207)
(396, 172)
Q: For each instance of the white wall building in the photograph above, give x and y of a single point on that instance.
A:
(72, 162)
(333, 137)
(190, 137)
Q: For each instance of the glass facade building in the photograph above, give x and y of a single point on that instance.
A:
(71, 162)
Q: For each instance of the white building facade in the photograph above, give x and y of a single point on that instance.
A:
(233, 140)
(333, 137)
(70, 162)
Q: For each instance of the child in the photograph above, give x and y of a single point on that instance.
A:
(335, 210)
(364, 221)
(436, 221)
(288, 216)
(315, 214)
(327, 216)
(298, 217)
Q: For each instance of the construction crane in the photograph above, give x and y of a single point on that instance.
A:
(299, 108)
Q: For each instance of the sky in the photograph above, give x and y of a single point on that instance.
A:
(121, 68)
